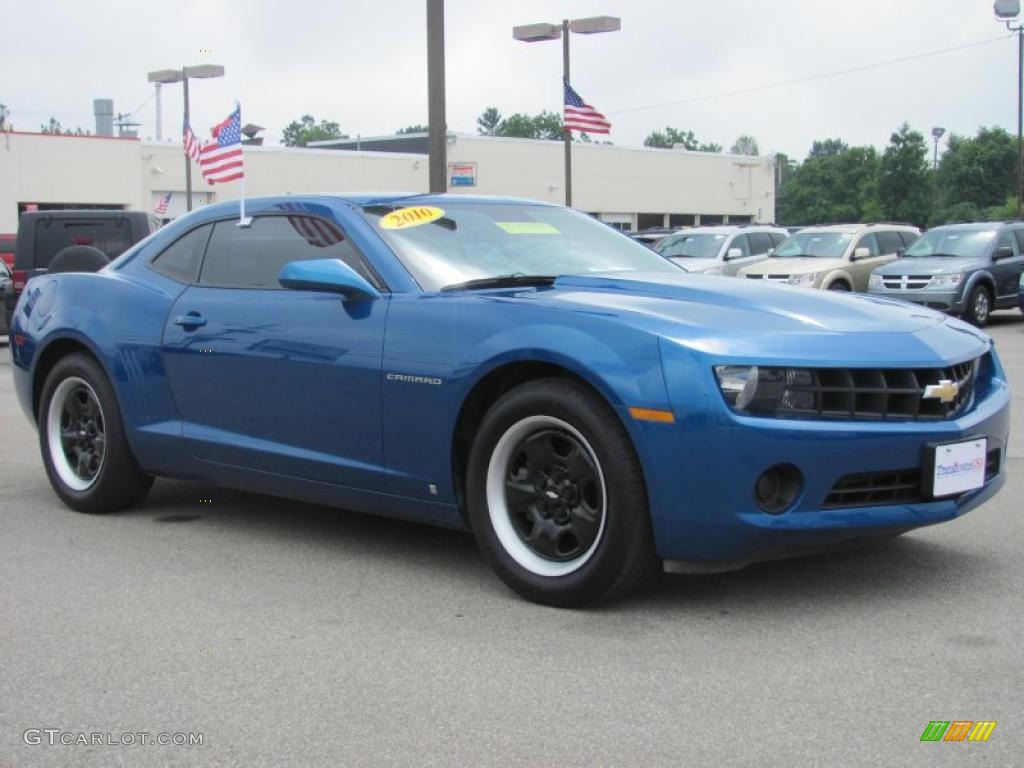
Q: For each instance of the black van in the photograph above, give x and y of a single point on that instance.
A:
(44, 234)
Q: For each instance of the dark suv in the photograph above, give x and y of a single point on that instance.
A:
(44, 234)
(965, 269)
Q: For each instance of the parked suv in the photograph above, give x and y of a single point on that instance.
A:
(721, 250)
(838, 257)
(42, 235)
(964, 269)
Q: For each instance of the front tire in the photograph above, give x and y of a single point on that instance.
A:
(979, 306)
(557, 499)
(839, 285)
(81, 435)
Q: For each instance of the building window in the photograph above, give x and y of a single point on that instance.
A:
(712, 218)
(648, 220)
(681, 219)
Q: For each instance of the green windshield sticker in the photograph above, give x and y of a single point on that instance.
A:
(528, 227)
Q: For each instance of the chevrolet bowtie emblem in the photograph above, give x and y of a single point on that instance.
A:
(946, 391)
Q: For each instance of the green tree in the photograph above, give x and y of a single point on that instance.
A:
(546, 125)
(670, 137)
(301, 132)
(904, 179)
(745, 145)
(836, 183)
(413, 129)
(52, 127)
(980, 170)
(488, 122)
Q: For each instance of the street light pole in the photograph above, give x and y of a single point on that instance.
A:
(1008, 11)
(566, 132)
(535, 33)
(182, 76)
(188, 160)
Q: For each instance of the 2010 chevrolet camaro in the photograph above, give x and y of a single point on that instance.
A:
(587, 408)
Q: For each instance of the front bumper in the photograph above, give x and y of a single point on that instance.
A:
(702, 471)
(944, 301)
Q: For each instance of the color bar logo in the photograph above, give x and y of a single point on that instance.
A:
(958, 730)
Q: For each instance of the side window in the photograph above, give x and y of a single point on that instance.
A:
(868, 241)
(740, 241)
(1019, 234)
(252, 257)
(909, 238)
(760, 243)
(777, 238)
(888, 242)
(1007, 240)
(181, 259)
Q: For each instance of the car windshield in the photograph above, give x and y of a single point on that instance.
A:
(952, 242)
(828, 245)
(458, 242)
(691, 245)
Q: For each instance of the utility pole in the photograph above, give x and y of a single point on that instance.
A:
(438, 139)
(566, 132)
(188, 160)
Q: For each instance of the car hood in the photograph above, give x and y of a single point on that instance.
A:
(795, 266)
(729, 305)
(691, 264)
(920, 265)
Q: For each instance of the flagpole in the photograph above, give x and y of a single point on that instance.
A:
(242, 220)
(566, 132)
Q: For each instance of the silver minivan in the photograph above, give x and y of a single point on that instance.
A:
(723, 249)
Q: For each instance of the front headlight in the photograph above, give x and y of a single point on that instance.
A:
(756, 390)
(805, 279)
(875, 281)
(945, 281)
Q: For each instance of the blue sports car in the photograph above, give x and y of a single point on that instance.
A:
(590, 411)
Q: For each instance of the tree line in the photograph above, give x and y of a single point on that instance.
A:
(975, 178)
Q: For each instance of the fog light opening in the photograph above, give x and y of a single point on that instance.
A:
(777, 488)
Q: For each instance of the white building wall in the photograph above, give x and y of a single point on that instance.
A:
(620, 182)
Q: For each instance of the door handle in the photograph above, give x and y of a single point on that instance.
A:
(191, 320)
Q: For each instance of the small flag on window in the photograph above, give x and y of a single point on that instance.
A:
(580, 116)
(220, 159)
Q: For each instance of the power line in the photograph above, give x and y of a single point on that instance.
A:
(810, 78)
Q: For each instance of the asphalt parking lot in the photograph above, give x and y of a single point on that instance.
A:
(289, 634)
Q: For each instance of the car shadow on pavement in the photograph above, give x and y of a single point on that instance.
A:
(887, 570)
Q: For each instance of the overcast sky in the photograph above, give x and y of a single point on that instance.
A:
(364, 65)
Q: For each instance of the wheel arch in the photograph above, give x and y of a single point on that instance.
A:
(838, 276)
(489, 388)
(50, 354)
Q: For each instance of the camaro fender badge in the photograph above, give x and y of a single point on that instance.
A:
(946, 391)
(414, 379)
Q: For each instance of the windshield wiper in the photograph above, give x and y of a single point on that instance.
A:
(502, 281)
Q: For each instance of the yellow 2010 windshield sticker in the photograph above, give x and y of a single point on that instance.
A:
(411, 217)
(528, 227)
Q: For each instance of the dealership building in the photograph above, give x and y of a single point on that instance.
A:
(629, 187)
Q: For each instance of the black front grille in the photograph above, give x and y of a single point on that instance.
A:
(901, 486)
(881, 393)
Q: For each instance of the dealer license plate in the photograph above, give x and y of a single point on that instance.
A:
(958, 467)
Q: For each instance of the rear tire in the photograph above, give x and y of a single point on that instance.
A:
(839, 285)
(81, 435)
(557, 498)
(979, 306)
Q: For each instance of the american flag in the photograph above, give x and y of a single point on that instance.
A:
(580, 116)
(191, 142)
(318, 232)
(220, 159)
(162, 203)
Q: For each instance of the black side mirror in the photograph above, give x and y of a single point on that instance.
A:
(1005, 252)
(900, 252)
